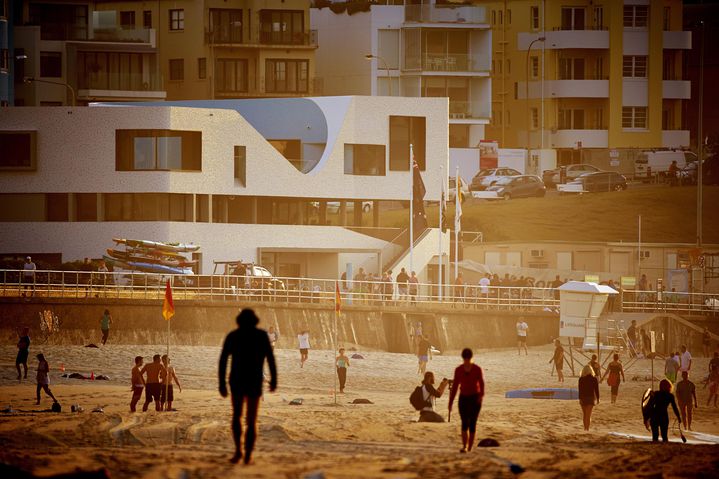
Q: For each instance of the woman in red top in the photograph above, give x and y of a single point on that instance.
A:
(470, 381)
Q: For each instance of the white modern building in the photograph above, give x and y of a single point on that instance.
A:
(435, 49)
(282, 182)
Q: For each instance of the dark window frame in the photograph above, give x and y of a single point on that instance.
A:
(415, 133)
(360, 168)
(176, 17)
(241, 78)
(279, 72)
(202, 68)
(5, 149)
(176, 73)
(127, 20)
(50, 64)
(191, 149)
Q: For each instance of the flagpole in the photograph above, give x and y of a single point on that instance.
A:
(411, 207)
(334, 341)
(457, 225)
(441, 204)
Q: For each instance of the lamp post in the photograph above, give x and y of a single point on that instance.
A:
(51, 82)
(700, 142)
(526, 89)
(369, 56)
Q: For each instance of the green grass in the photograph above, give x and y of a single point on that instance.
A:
(668, 216)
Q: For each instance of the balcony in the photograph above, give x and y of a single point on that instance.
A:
(288, 39)
(677, 40)
(676, 89)
(224, 36)
(471, 16)
(565, 89)
(144, 36)
(465, 110)
(447, 63)
(580, 139)
(566, 39)
(101, 86)
(675, 138)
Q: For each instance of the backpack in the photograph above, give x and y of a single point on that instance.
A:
(416, 399)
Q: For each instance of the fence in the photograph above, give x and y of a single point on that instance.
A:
(132, 285)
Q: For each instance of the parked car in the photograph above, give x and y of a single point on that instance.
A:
(551, 177)
(509, 187)
(595, 182)
(487, 177)
(463, 188)
(688, 174)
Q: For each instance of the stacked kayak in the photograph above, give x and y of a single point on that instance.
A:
(151, 256)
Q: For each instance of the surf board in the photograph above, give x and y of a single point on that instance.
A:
(543, 393)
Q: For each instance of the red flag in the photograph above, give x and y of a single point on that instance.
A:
(168, 307)
(338, 298)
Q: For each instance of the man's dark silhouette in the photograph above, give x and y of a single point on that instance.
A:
(249, 347)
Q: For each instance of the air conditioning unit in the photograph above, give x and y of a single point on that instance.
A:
(537, 253)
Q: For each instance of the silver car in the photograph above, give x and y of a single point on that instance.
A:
(488, 177)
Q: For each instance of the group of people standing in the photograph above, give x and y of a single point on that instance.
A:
(156, 379)
(373, 288)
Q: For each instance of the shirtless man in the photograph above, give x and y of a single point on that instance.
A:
(153, 388)
(168, 376)
(138, 383)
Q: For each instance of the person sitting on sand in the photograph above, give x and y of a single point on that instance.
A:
(167, 376)
(588, 394)
(615, 369)
(429, 394)
(153, 388)
(249, 348)
(342, 362)
(43, 378)
(558, 360)
(657, 411)
(468, 378)
(137, 383)
(23, 350)
(686, 391)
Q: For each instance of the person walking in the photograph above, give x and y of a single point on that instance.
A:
(137, 383)
(168, 377)
(686, 391)
(23, 351)
(594, 363)
(342, 362)
(429, 394)
(469, 381)
(105, 323)
(707, 342)
(685, 360)
(304, 340)
(273, 336)
(522, 328)
(615, 371)
(28, 276)
(671, 366)
(588, 387)
(424, 354)
(249, 347)
(558, 360)
(658, 416)
(43, 378)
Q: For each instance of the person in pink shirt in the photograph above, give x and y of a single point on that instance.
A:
(469, 380)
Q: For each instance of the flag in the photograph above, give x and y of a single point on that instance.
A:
(338, 298)
(168, 307)
(418, 192)
(457, 211)
(443, 208)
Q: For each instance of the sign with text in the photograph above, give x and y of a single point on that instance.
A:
(628, 282)
(488, 154)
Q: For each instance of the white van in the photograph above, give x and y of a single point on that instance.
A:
(655, 164)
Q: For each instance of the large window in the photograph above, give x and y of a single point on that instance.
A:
(158, 150)
(231, 75)
(58, 21)
(403, 131)
(17, 150)
(636, 16)
(50, 64)
(225, 25)
(85, 207)
(571, 68)
(634, 117)
(112, 71)
(177, 69)
(127, 20)
(534, 18)
(283, 27)
(148, 207)
(366, 160)
(388, 49)
(177, 20)
(634, 66)
(291, 150)
(202, 68)
(573, 18)
(286, 76)
(571, 119)
(147, 19)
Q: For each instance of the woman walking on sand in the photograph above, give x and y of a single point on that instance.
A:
(43, 378)
(588, 394)
(614, 371)
(342, 362)
(468, 378)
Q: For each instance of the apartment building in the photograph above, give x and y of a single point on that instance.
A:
(178, 50)
(6, 62)
(404, 48)
(595, 80)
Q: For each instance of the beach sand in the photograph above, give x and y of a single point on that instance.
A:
(342, 440)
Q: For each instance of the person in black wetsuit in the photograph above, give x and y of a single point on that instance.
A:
(658, 411)
(249, 346)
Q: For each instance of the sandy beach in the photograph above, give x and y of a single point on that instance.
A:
(343, 440)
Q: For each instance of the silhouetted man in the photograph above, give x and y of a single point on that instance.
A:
(249, 347)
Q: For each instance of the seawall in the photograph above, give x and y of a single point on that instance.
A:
(386, 328)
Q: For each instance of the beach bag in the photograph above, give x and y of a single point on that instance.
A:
(613, 379)
(416, 399)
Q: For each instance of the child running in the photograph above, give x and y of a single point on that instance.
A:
(137, 383)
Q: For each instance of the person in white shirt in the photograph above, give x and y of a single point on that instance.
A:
(685, 360)
(28, 275)
(484, 287)
(522, 328)
(304, 339)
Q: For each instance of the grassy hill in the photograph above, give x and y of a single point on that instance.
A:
(668, 215)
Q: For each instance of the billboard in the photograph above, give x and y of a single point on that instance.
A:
(488, 154)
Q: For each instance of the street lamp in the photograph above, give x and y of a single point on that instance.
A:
(369, 56)
(526, 88)
(61, 83)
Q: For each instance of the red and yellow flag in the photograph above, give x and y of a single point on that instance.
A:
(338, 298)
(168, 307)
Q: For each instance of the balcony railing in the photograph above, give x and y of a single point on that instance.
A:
(224, 36)
(456, 62)
(288, 38)
(445, 14)
(459, 110)
(118, 81)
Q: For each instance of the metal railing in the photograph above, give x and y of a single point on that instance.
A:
(135, 285)
(445, 14)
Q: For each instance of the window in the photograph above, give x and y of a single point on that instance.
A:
(509, 67)
(127, 20)
(202, 68)
(147, 19)
(388, 49)
(283, 27)
(634, 66)
(509, 17)
(534, 118)
(403, 131)
(636, 16)
(225, 25)
(572, 18)
(499, 67)
(230, 75)
(51, 64)
(494, 17)
(158, 150)
(241, 164)
(113, 71)
(634, 117)
(599, 18)
(286, 76)
(177, 20)
(667, 118)
(56, 207)
(85, 207)
(148, 207)
(17, 150)
(177, 69)
(57, 21)
(571, 68)
(534, 66)
(22, 207)
(534, 18)
(365, 160)
(19, 64)
(599, 68)
(499, 17)
(570, 119)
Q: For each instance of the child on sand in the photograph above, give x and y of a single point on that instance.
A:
(23, 350)
(168, 375)
(43, 378)
(304, 340)
(342, 362)
(137, 383)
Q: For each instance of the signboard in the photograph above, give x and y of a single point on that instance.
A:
(488, 154)
(614, 154)
(653, 341)
(628, 282)
(591, 278)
